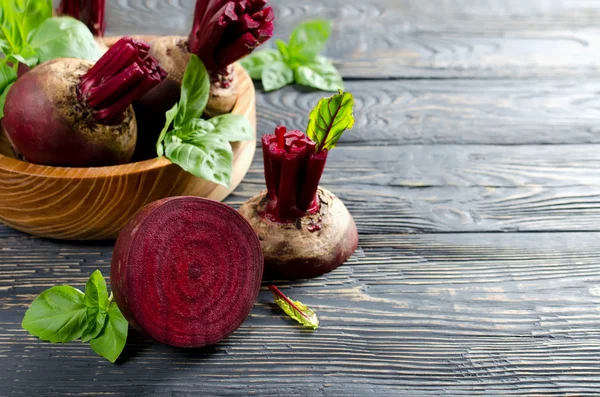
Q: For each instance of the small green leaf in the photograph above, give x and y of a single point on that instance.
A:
(36, 12)
(7, 78)
(111, 340)
(329, 119)
(256, 62)
(232, 127)
(321, 74)
(170, 115)
(96, 300)
(64, 37)
(202, 154)
(308, 39)
(283, 50)
(57, 315)
(195, 91)
(276, 76)
(95, 319)
(296, 310)
(18, 18)
(3, 99)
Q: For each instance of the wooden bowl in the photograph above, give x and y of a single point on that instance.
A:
(95, 203)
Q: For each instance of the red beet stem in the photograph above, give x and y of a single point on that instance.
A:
(292, 174)
(277, 292)
(225, 31)
(124, 74)
(90, 12)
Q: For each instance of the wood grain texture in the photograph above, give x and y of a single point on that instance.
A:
(95, 203)
(442, 39)
(505, 112)
(502, 314)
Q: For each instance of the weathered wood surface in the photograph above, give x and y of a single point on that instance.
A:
(398, 38)
(477, 203)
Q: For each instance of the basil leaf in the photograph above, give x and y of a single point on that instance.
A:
(96, 300)
(232, 127)
(18, 18)
(321, 74)
(277, 75)
(195, 90)
(95, 319)
(7, 78)
(64, 37)
(3, 99)
(257, 61)
(308, 40)
(283, 50)
(202, 154)
(57, 315)
(295, 309)
(35, 13)
(329, 119)
(170, 115)
(111, 341)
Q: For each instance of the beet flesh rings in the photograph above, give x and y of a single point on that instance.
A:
(186, 271)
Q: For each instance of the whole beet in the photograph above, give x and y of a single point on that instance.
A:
(70, 112)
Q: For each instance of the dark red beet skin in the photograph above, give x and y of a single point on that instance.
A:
(186, 271)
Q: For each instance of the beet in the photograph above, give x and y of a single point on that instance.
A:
(305, 230)
(70, 112)
(223, 32)
(90, 12)
(186, 271)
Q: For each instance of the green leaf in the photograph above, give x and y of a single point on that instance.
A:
(308, 39)
(256, 62)
(170, 115)
(7, 78)
(36, 12)
(329, 119)
(283, 50)
(195, 91)
(232, 127)
(202, 154)
(64, 37)
(320, 74)
(3, 99)
(96, 300)
(111, 341)
(277, 75)
(296, 310)
(57, 315)
(18, 18)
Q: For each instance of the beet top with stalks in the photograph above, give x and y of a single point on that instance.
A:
(186, 271)
(69, 112)
(223, 32)
(304, 229)
(90, 12)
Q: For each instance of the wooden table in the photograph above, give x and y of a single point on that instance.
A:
(473, 173)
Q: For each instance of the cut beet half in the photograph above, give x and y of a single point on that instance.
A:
(186, 271)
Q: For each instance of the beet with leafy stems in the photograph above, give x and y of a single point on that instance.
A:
(70, 112)
(223, 32)
(186, 271)
(304, 229)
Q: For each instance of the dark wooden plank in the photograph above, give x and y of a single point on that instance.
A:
(500, 314)
(452, 111)
(418, 40)
(418, 166)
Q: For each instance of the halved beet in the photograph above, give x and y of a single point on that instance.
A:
(186, 271)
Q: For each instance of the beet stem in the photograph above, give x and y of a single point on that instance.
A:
(90, 12)
(224, 32)
(292, 174)
(277, 292)
(123, 75)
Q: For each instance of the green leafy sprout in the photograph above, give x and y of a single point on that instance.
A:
(297, 61)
